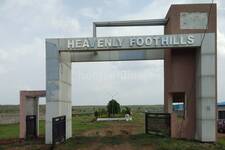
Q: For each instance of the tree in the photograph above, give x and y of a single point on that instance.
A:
(113, 107)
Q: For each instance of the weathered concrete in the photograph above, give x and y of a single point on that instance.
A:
(193, 72)
(29, 106)
(58, 98)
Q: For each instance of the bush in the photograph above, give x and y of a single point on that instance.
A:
(103, 112)
(126, 110)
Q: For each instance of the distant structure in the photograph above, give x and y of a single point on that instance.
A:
(221, 110)
(29, 113)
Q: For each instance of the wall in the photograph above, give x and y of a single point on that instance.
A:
(183, 69)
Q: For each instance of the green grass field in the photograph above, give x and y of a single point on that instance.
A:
(80, 124)
(140, 141)
(88, 135)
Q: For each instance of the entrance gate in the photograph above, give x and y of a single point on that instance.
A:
(158, 123)
(188, 49)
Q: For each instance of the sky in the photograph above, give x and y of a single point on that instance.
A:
(25, 24)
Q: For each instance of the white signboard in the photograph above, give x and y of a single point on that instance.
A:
(193, 20)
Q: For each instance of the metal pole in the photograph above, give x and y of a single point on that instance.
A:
(94, 30)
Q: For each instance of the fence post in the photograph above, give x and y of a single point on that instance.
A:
(170, 122)
(146, 123)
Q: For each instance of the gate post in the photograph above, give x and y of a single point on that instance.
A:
(146, 123)
(58, 88)
(193, 71)
(29, 106)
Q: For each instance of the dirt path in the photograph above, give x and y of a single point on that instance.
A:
(116, 129)
(112, 130)
(124, 146)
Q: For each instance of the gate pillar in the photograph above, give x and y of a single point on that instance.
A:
(193, 71)
(58, 88)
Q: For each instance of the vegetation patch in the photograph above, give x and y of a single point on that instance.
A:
(121, 135)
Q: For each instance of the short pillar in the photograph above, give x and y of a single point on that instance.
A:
(29, 106)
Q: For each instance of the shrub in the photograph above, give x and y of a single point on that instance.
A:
(126, 110)
(96, 114)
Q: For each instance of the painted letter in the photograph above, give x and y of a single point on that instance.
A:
(119, 42)
(78, 43)
(86, 43)
(182, 40)
(190, 39)
(156, 40)
(108, 42)
(132, 42)
(175, 40)
(70, 44)
(140, 41)
(100, 43)
(165, 40)
(148, 41)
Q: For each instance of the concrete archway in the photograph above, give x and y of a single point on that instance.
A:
(189, 52)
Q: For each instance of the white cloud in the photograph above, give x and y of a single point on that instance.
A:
(92, 13)
(41, 17)
(26, 23)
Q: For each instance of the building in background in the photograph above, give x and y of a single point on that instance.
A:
(221, 110)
